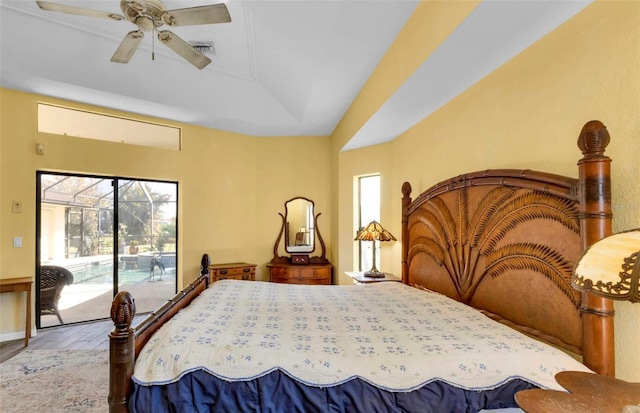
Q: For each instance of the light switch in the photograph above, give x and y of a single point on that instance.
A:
(17, 242)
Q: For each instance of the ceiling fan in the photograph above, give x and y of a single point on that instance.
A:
(149, 15)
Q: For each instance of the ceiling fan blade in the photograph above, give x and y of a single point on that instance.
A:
(128, 47)
(62, 8)
(215, 13)
(184, 49)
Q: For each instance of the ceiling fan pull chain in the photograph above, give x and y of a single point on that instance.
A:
(153, 47)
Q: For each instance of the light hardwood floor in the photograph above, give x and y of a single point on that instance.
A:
(85, 336)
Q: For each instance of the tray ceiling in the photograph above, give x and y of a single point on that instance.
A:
(280, 68)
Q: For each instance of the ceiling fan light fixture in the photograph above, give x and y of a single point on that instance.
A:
(144, 23)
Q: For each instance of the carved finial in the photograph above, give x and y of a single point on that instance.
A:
(593, 139)
(406, 189)
(204, 264)
(123, 309)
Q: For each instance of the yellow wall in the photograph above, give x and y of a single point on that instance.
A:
(527, 114)
(231, 188)
(429, 25)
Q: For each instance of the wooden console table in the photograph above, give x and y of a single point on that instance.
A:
(16, 285)
(232, 271)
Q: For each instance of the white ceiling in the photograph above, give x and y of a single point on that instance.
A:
(281, 68)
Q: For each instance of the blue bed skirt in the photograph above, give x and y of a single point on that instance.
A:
(278, 393)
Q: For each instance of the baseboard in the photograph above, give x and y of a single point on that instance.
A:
(17, 335)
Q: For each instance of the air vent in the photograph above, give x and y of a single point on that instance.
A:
(204, 47)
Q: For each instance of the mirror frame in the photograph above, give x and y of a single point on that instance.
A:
(288, 213)
(278, 259)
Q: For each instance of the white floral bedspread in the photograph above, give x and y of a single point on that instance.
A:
(393, 336)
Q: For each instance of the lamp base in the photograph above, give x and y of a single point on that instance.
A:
(374, 274)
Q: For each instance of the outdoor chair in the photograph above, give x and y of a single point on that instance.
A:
(52, 280)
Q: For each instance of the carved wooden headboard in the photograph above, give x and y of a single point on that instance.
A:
(506, 241)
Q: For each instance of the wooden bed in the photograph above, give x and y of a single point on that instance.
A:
(502, 241)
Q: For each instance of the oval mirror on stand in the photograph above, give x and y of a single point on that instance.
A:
(299, 234)
(299, 225)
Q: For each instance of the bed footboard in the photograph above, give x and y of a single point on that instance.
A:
(126, 342)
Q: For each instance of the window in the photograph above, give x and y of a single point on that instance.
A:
(90, 125)
(368, 210)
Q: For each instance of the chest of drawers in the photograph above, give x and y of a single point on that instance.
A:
(301, 274)
(234, 271)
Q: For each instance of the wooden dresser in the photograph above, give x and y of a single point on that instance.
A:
(233, 271)
(301, 274)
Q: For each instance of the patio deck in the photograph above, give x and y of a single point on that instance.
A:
(90, 296)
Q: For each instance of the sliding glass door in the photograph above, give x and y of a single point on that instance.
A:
(83, 261)
(147, 239)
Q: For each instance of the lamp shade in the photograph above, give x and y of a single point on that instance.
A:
(610, 268)
(374, 232)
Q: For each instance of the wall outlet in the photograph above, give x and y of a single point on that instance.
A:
(16, 206)
(17, 242)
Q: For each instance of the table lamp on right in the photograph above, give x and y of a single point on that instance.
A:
(609, 268)
(374, 232)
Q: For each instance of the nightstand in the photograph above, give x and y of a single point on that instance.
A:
(588, 393)
(359, 278)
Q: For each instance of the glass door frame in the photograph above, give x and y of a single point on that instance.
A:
(115, 233)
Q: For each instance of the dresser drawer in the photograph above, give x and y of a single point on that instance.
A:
(279, 272)
(300, 272)
(239, 276)
(235, 272)
(306, 281)
(310, 272)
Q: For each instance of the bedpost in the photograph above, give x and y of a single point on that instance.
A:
(595, 224)
(406, 200)
(121, 351)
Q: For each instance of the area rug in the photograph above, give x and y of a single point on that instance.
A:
(55, 381)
